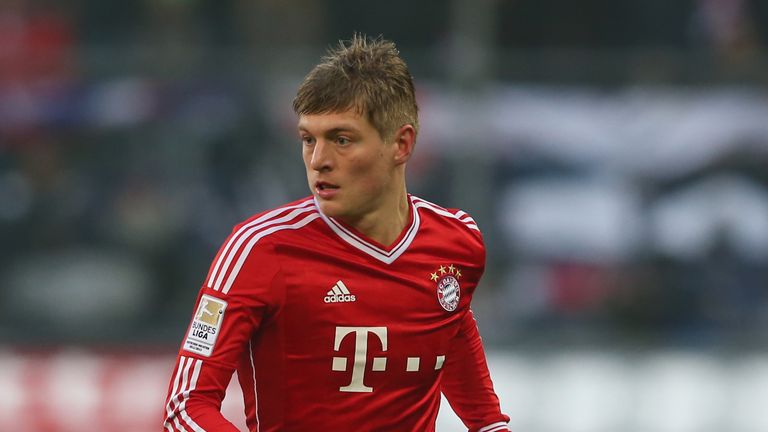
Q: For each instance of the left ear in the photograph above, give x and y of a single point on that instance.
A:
(404, 142)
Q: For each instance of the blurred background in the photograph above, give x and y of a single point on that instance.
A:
(614, 153)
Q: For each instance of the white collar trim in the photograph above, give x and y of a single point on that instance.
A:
(387, 257)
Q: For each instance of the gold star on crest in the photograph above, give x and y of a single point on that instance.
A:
(443, 270)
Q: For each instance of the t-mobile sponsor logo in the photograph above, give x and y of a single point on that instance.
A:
(360, 360)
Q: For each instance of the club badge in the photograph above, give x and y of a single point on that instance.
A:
(448, 288)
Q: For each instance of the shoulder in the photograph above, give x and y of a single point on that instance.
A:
(454, 230)
(290, 216)
(450, 216)
(260, 232)
(449, 223)
(252, 241)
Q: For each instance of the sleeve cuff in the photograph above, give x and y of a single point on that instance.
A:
(494, 427)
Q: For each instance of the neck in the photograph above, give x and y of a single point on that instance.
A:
(385, 224)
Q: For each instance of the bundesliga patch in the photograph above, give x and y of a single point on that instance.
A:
(205, 326)
(448, 288)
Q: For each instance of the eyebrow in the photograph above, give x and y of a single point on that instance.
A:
(336, 130)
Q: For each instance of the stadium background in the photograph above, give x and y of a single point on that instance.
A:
(613, 152)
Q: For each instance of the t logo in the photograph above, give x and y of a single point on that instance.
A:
(357, 385)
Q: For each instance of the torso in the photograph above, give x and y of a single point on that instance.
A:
(361, 331)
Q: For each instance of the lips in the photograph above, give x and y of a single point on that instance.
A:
(322, 186)
(326, 190)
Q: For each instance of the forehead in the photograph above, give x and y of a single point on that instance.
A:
(346, 120)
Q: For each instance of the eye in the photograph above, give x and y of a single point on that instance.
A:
(343, 140)
(307, 140)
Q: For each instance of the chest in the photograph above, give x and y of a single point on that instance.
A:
(346, 288)
(408, 309)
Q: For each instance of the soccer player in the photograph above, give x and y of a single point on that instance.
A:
(348, 310)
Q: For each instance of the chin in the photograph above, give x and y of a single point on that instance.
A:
(330, 209)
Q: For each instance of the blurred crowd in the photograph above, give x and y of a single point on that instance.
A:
(628, 205)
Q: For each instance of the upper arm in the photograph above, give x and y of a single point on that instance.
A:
(241, 290)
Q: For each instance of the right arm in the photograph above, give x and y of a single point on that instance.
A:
(230, 307)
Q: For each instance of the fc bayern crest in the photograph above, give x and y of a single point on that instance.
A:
(448, 288)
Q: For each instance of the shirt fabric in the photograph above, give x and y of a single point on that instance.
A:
(328, 330)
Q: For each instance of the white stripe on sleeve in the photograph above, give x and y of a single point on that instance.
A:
(500, 426)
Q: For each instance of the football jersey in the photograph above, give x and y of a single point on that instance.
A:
(331, 331)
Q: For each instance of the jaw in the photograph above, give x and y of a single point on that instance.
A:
(332, 208)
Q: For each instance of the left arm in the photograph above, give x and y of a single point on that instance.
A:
(467, 384)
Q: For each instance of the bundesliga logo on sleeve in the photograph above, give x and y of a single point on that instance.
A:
(205, 326)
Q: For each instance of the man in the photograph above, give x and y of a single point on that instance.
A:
(347, 310)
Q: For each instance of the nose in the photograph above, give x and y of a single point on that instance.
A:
(322, 156)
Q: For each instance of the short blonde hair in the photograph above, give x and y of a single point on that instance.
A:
(364, 74)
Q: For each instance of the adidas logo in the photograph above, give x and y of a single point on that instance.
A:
(339, 294)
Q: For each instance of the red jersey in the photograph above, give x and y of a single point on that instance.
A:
(331, 331)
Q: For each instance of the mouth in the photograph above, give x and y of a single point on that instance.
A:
(322, 186)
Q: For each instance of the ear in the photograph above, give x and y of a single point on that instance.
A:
(404, 142)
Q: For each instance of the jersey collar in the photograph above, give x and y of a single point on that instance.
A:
(375, 250)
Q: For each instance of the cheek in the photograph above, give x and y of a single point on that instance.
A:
(371, 173)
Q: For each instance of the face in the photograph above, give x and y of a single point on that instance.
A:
(350, 169)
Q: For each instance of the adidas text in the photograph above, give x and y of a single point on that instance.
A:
(339, 298)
